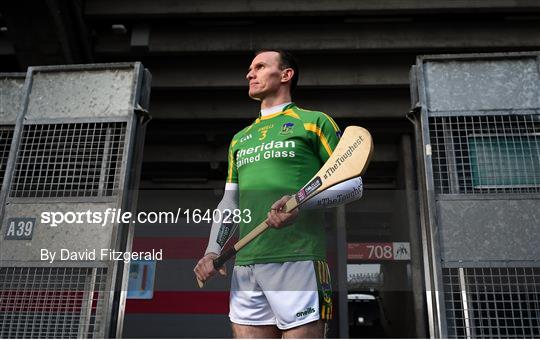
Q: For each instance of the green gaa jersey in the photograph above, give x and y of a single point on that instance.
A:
(276, 156)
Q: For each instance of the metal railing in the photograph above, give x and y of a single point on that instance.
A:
(76, 146)
(37, 302)
(477, 119)
(69, 160)
(486, 154)
(492, 302)
(6, 136)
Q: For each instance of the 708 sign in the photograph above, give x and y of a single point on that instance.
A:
(380, 252)
(383, 251)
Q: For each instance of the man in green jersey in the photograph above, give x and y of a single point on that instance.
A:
(281, 282)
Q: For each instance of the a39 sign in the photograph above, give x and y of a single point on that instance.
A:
(379, 251)
(19, 228)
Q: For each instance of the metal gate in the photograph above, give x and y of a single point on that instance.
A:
(477, 120)
(11, 90)
(76, 147)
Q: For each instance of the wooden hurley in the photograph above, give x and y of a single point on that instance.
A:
(350, 159)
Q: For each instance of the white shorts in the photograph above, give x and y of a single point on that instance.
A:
(286, 294)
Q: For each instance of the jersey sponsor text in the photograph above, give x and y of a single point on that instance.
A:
(273, 149)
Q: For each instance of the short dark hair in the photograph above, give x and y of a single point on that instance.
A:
(287, 60)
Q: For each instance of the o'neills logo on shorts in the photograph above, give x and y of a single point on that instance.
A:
(309, 310)
(343, 157)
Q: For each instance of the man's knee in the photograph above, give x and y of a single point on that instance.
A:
(313, 330)
(250, 332)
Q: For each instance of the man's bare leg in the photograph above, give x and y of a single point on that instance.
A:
(250, 332)
(312, 330)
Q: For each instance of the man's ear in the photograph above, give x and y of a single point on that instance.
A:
(287, 75)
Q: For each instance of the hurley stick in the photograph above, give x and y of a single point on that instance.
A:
(350, 159)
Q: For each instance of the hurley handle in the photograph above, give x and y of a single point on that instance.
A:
(224, 257)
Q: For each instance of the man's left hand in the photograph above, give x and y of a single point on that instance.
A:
(278, 218)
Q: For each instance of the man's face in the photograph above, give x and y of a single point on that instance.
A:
(264, 75)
